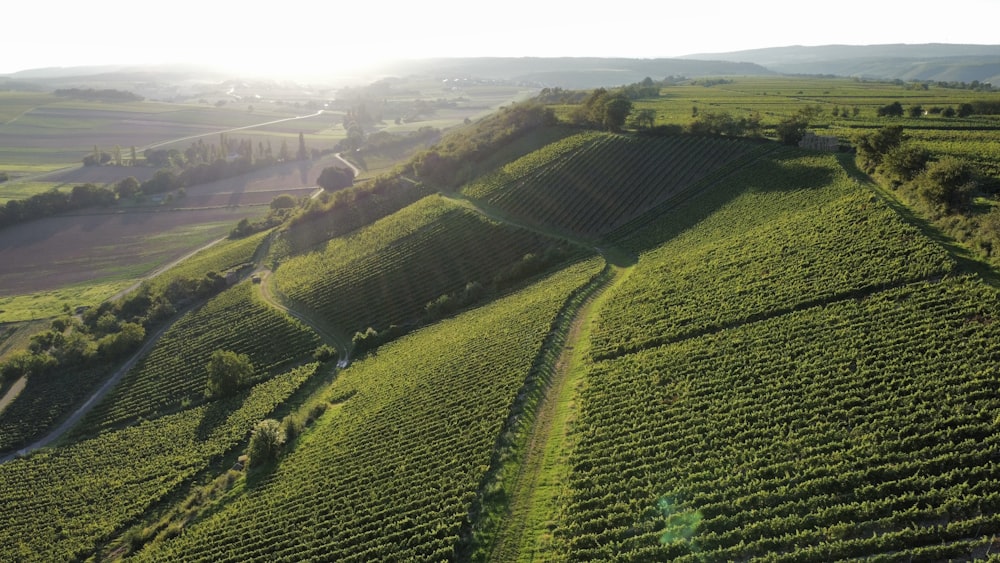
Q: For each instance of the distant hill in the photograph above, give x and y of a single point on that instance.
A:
(573, 72)
(932, 61)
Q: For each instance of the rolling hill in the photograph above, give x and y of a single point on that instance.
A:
(613, 347)
(934, 62)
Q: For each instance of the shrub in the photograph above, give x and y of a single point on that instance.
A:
(266, 442)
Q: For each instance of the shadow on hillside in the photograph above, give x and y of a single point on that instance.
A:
(966, 261)
(216, 414)
(778, 171)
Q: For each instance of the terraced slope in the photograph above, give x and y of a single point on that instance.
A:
(793, 374)
(387, 273)
(591, 183)
(391, 471)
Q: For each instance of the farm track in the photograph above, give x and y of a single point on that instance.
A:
(534, 496)
(103, 390)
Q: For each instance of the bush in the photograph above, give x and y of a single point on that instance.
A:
(227, 372)
(266, 442)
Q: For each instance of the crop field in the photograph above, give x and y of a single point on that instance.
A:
(81, 494)
(591, 183)
(56, 252)
(390, 472)
(174, 373)
(825, 434)
(387, 273)
(779, 243)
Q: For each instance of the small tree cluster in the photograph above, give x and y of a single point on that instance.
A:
(334, 178)
(603, 109)
(227, 372)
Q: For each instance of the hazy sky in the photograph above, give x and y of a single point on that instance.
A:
(297, 35)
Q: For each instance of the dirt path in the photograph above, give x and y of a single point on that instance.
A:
(96, 397)
(162, 269)
(13, 392)
(540, 484)
(327, 334)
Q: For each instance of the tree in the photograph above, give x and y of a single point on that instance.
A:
(873, 146)
(915, 111)
(265, 443)
(227, 372)
(904, 163)
(791, 130)
(333, 178)
(895, 109)
(947, 184)
(645, 118)
(616, 109)
(127, 187)
(303, 154)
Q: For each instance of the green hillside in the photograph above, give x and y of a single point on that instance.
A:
(792, 372)
(616, 347)
(386, 274)
(591, 183)
(391, 471)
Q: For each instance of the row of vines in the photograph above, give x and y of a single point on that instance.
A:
(173, 375)
(60, 505)
(390, 472)
(387, 273)
(591, 183)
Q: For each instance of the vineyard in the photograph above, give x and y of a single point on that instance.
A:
(59, 505)
(173, 375)
(781, 244)
(769, 361)
(591, 183)
(390, 472)
(865, 427)
(387, 273)
(790, 372)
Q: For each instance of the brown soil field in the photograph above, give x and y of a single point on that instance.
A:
(59, 251)
(107, 244)
(101, 175)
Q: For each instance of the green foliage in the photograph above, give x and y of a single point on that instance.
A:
(174, 372)
(393, 468)
(334, 178)
(946, 185)
(723, 124)
(386, 273)
(903, 163)
(871, 147)
(227, 372)
(283, 201)
(603, 109)
(84, 492)
(895, 109)
(266, 442)
(451, 162)
(790, 231)
(592, 183)
(863, 428)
